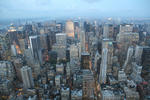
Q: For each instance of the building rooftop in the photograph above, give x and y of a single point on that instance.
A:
(76, 92)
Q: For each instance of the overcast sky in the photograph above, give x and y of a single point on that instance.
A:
(59, 8)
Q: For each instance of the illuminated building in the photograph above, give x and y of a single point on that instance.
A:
(69, 28)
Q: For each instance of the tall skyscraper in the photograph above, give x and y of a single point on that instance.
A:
(103, 68)
(69, 28)
(82, 40)
(108, 43)
(13, 50)
(27, 79)
(128, 60)
(35, 46)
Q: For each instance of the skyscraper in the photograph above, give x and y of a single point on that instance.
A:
(103, 68)
(27, 79)
(60, 45)
(85, 60)
(82, 40)
(108, 31)
(108, 43)
(35, 46)
(145, 63)
(88, 85)
(69, 28)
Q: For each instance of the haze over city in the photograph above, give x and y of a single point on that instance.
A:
(73, 8)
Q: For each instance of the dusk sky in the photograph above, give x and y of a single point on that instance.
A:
(68, 8)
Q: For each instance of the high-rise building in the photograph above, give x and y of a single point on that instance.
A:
(127, 64)
(136, 73)
(35, 47)
(7, 70)
(103, 67)
(138, 54)
(27, 79)
(108, 43)
(18, 63)
(124, 40)
(82, 41)
(88, 85)
(44, 41)
(74, 52)
(13, 50)
(108, 31)
(145, 63)
(96, 61)
(126, 28)
(61, 38)
(85, 60)
(60, 45)
(69, 28)
(61, 51)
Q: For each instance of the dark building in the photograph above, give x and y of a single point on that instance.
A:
(85, 60)
(146, 63)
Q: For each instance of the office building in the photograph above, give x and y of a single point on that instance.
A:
(145, 63)
(35, 47)
(108, 31)
(27, 79)
(76, 94)
(127, 64)
(103, 66)
(7, 70)
(65, 93)
(88, 85)
(69, 28)
(61, 38)
(126, 28)
(85, 60)
(60, 69)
